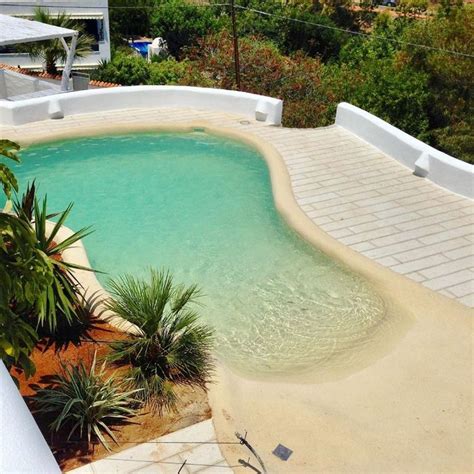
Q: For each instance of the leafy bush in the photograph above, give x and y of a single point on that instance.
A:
(456, 140)
(86, 400)
(8, 149)
(168, 71)
(398, 95)
(127, 69)
(23, 275)
(181, 23)
(290, 36)
(173, 348)
(37, 288)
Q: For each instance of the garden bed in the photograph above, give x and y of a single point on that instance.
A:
(192, 406)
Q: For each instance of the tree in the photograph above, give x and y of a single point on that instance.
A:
(129, 18)
(181, 23)
(451, 106)
(52, 51)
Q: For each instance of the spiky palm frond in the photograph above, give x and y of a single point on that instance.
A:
(53, 51)
(87, 401)
(173, 347)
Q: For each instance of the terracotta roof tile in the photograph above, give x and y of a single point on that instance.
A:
(45, 75)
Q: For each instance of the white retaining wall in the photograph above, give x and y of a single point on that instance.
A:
(264, 109)
(424, 160)
(23, 448)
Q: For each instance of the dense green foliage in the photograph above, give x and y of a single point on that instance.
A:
(172, 348)
(312, 65)
(38, 292)
(125, 69)
(86, 401)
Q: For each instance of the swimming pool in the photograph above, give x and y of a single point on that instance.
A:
(202, 206)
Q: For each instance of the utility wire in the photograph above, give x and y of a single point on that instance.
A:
(263, 13)
(357, 33)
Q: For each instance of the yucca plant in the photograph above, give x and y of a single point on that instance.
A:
(173, 348)
(87, 401)
(86, 319)
(61, 300)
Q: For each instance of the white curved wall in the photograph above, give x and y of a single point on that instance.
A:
(23, 448)
(264, 109)
(424, 160)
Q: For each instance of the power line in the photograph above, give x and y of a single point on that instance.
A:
(268, 14)
(357, 33)
(114, 7)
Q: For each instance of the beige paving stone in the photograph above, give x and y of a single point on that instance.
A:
(448, 268)
(463, 289)
(468, 300)
(417, 265)
(427, 250)
(446, 281)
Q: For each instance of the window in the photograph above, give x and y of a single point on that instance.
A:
(95, 28)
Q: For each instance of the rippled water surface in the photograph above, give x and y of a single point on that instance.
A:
(203, 207)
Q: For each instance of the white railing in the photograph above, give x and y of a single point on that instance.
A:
(422, 159)
(261, 108)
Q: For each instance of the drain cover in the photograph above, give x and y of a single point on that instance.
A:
(282, 452)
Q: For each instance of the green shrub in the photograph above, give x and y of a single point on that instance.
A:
(173, 348)
(398, 95)
(168, 71)
(87, 401)
(126, 69)
(8, 149)
(181, 23)
(37, 288)
(456, 140)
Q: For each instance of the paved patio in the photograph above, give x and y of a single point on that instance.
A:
(190, 450)
(351, 190)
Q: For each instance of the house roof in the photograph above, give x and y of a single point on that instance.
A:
(18, 30)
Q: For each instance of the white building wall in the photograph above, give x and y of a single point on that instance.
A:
(23, 448)
(91, 8)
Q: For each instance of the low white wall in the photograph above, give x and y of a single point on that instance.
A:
(424, 160)
(13, 84)
(265, 109)
(23, 447)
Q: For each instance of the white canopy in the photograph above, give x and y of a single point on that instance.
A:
(17, 30)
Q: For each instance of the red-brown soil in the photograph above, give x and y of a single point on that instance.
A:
(192, 406)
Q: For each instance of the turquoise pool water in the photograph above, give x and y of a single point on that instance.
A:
(202, 206)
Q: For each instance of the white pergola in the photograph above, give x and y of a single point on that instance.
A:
(18, 30)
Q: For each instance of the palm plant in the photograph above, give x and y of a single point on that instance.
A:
(53, 51)
(87, 400)
(173, 348)
(61, 300)
(86, 319)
